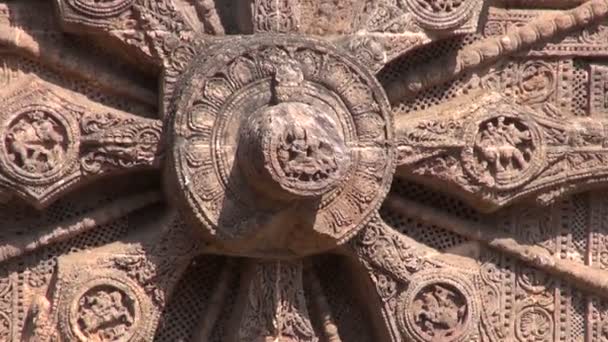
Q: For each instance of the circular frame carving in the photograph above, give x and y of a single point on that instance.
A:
(35, 138)
(503, 150)
(441, 15)
(438, 299)
(221, 93)
(101, 8)
(534, 324)
(117, 291)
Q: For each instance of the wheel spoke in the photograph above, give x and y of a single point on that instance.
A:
(585, 277)
(489, 50)
(492, 152)
(272, 306)
(19, 245)
(55, 140)
(119, 290)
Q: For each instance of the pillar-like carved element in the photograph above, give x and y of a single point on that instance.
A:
(272, 306)
(278, 16)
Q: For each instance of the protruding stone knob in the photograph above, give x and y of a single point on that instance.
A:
(293, 151)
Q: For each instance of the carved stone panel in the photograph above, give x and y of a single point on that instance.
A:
(303, 171)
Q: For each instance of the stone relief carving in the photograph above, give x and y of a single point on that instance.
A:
(298, 170)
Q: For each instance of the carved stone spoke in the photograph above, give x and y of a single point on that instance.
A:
(492, 151)
(273, 306)
(54, 140)
(278, 16)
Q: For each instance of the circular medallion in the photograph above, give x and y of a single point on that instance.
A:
(104, 310)
(438, 306)
(101, 8)
(503, 151)
(38, 145)
(536, 82)
(441, 14)
(280, 131)
(534, 324)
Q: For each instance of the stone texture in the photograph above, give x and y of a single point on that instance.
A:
(303, 170)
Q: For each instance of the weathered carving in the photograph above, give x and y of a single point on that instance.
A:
(102, 308)
(100, 9)
(105, 313)
(271, 120)
(442, 15)
(275, 148)
(273, 311)
(438, 307)
(36, 143)
(497, 153)
(51, 145)
(276, 16)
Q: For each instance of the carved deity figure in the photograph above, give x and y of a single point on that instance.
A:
(105, 315)
(306, 157)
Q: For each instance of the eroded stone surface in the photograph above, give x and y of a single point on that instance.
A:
(206, 170)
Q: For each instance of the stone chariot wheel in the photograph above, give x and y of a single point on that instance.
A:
(303, 170)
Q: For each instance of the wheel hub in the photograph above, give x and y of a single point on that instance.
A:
(280, 146)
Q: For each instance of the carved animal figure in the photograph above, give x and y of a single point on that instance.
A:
(500, 146)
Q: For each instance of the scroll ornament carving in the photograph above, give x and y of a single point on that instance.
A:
(116, 142)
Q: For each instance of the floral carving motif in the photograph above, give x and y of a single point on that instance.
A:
(440, 6)
(534, 324)
(37, 143)
(105, 314)
(536, 82)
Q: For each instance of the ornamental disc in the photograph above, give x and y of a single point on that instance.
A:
(280, 139)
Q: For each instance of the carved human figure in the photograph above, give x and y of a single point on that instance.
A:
(504, 146)
(35, 142)
(440, 311)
